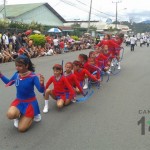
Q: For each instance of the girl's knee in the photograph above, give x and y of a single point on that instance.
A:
(22, 128)
(11, 115)
(60, 103)
(67, 102)
(24, 124)
(48, 91)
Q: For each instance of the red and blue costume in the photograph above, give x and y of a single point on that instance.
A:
(96, 70)
(117, 48)
(73, 82)
(111, 44)
(59, 87)
(101, 60)
(25, 101)
(80, 75)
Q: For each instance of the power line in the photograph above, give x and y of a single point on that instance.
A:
(95, 9)
(74, 5)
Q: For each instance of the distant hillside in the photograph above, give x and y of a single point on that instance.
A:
(146, 22)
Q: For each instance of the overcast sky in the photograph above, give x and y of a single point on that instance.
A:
(137, 10)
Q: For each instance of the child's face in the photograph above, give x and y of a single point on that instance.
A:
(106, 37)
(76, 67)
(91, 62)
(57, 72)
(80, 59)
(93, 55)
(105, 49)
(68, 68)
(21, 68)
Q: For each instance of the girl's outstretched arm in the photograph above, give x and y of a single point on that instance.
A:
(11, 80)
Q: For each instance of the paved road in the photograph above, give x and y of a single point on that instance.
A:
(108, 121)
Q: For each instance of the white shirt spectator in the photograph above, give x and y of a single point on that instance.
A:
(56, 42)
(14, 38)
(132, 40)
(5, 39)
(50, 52)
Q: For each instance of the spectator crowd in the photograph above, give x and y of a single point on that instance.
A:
(14, 44)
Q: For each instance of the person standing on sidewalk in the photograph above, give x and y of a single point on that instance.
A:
(132, 41)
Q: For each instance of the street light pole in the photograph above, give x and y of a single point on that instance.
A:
(116, 12)
(89, 17)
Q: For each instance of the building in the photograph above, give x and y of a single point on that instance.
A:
(100, 26)
(41, 13)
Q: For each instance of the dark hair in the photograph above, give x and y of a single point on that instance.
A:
(57, 67)
(26, 61)
(77, 63)
(90, 53)
(108, 35)
(84, 56)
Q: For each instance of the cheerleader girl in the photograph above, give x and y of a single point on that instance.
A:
(116, 52)
(81, 72)
(58, 93)
(83, 59)
(108, 57)
(25, 107)
(108, 41)
(94, 68)
(72, 80)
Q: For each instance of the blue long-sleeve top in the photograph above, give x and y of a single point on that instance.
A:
(25, 85)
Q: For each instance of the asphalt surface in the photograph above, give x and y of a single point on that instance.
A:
(107, 121)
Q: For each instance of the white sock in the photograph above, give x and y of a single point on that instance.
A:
(16, 121)
(86, 81)
(46, 102)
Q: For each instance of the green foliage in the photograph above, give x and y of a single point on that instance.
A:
(4, 23)
(35, 26)
(18, 25)
(138, 27)
(93, 28)
(78, 31)
(76, 38)
(76, 25)
(38, 39)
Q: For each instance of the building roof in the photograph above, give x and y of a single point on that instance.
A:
(13, 11)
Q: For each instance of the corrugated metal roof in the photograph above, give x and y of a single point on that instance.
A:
(13, 11)
(16, 10)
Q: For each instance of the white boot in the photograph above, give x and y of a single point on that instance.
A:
(119, 67)
(86, 84)
(45, 110)
(37, 118)
(16, 122)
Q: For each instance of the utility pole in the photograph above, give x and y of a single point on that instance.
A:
(89, 16)
(4, 9)
(116, 12)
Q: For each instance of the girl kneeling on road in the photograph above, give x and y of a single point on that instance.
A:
(24, 109)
